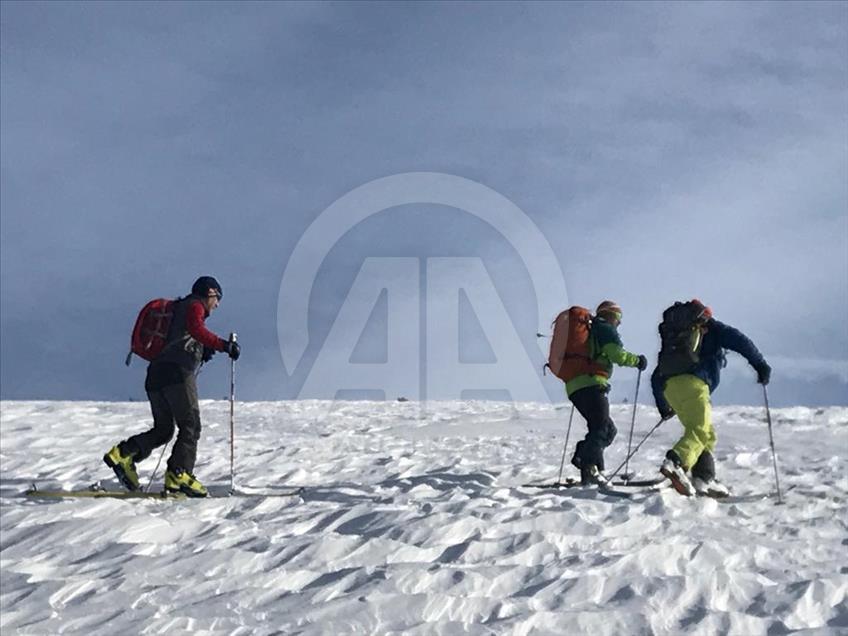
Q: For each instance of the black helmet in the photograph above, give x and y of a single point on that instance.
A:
(203, 285)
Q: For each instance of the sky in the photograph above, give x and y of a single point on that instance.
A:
(664, 150)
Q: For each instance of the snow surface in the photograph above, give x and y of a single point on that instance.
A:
(415, 523)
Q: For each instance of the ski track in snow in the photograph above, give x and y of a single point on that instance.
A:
(414, 523)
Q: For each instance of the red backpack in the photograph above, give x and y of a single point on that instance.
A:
(151, 329)
(570, 348)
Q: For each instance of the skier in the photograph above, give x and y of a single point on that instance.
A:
(690, 360)
(171, 387)
(588, 391)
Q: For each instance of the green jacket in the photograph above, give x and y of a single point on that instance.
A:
(606, 349)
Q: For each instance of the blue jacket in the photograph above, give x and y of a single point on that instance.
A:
(719, 337)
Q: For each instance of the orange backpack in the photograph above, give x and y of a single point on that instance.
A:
(570, 347)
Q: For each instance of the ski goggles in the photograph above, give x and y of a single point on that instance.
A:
(706, 312)
(612, 316)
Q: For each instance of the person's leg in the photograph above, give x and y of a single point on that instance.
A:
(580, 402)
(704, 469)
(140, 446)
(689, 396)
(122, 457)
(593, 405)
(182, 399)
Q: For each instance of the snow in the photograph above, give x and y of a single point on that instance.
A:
(414, 522)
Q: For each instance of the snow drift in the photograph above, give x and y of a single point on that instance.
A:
(414, 522)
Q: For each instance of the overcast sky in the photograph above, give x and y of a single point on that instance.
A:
(666, 151)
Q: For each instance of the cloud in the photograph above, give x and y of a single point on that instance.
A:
(810, 369)
(666, 150)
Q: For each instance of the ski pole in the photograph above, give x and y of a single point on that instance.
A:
(771, 440)
(564, 446)
(635, 450)
(153, 474)
(232, 418)
(632, 424)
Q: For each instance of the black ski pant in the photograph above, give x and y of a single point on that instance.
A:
(593, 405)
(172, 392)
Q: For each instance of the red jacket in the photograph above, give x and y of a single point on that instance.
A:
(195, 322)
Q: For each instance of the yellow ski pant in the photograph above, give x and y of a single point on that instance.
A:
(689, 396)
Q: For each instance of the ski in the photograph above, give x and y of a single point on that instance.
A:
(568, 483)
(736, 498)
(612, 492)
(731, 498)
(99, 492)
(627, 483)
(640, 483)
(750, 497)
(285, 492)
(638, 486)
(102, 494)
(575, 486)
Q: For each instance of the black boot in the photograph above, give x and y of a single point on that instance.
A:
(704, 468)
(703, 477)
(590, 475)
(577, 458)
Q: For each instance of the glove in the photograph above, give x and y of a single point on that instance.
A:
(666, 413)
(208, 352)
(233, 349)
(764, 374)
(643, 363)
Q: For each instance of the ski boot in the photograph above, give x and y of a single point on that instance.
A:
(124, 467)
(182, 481)
(672, 469)
(710, 487)
(590, 475)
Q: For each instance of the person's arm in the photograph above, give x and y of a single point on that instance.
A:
(658, 387)
(616, 354)
(735, 340)
(195, 324)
